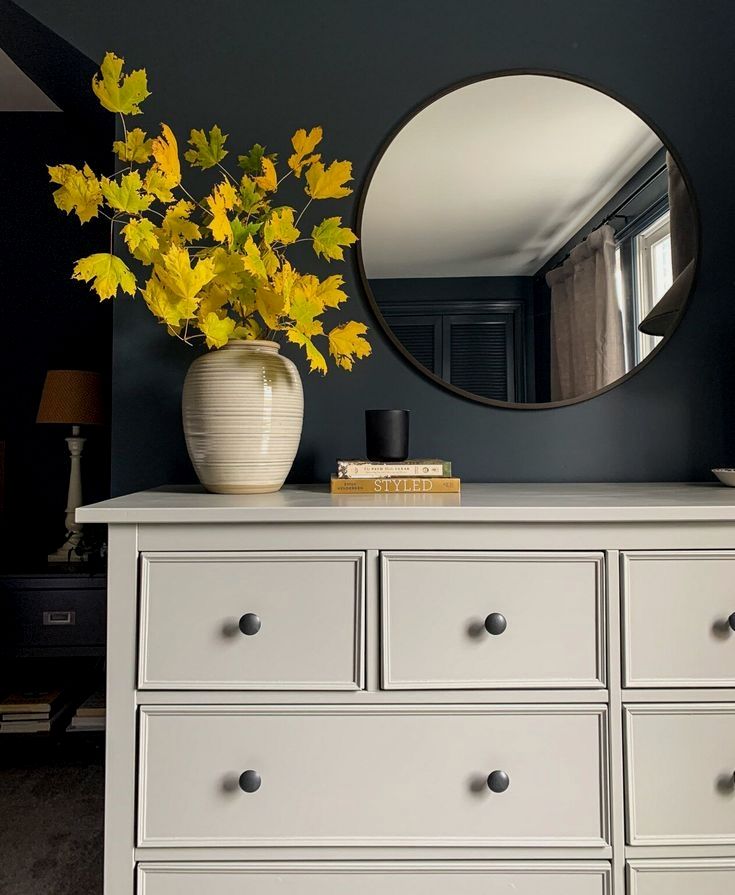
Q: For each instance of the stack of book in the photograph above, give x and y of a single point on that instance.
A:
(407, 477)
(90, 715)
(34, 711)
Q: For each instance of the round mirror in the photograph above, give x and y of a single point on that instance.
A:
(527, 240)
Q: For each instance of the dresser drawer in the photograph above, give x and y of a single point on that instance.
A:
(547, 610)
(258, 621)
(676, 610)
(373, 775)
(715, 876)
(376, 878)
(680, 765)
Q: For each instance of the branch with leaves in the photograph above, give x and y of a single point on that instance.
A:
(218, 266)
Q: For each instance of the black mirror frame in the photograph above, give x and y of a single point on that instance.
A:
(375, 308)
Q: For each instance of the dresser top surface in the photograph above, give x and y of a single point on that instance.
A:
(498, 503)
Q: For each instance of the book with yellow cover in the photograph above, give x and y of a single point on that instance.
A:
(408, 485)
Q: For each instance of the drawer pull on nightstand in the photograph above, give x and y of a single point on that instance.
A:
(249, 781)
(495, 623)
(731, 621)
(249, 624)
(498, 781)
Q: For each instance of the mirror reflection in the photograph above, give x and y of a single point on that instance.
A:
(527, 239)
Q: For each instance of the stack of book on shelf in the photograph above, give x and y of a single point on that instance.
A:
(35, 711)
(406, 477)
(90, 715)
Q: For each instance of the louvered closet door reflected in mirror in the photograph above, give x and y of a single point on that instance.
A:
(482, 353)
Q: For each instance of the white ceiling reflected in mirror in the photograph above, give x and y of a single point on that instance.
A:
(527, 239)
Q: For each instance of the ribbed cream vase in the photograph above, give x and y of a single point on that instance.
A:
(242, 408)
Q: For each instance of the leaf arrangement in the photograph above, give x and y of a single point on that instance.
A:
(218, 266)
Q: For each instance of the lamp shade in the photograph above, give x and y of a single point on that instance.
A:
(73, 397)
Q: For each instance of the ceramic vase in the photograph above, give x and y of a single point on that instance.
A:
(242, 409)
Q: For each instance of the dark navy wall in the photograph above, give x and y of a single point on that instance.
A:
(262, 69)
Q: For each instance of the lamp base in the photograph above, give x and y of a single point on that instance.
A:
(68, 551)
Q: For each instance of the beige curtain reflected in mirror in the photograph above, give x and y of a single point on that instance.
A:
(587, 343)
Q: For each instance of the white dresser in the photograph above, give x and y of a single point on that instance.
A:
(522, 689)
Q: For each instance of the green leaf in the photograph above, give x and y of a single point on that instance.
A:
(208, 150)
(241, 231)
(330, 238)
(251, 196)
(252, 162)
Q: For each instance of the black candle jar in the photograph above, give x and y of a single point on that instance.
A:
(386, 435)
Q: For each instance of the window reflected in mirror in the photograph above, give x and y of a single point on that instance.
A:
(527, 239)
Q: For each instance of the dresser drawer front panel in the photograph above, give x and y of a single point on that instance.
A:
(435, 606)
(377, 878)
(715, 876)
(374, 776)
(676, 610)
(308, 609)
(680, 765)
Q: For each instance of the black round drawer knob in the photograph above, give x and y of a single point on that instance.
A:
(731, 621)
(249, 781)
(249, 623)
(498, 781)
(495, 623)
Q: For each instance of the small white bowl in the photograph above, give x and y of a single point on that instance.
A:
(726, 476)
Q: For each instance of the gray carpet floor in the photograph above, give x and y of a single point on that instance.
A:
(51, 811)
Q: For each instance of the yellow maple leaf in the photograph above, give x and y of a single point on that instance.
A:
(108, 273)
(327, 294)
(328, 183)
(303, 311)
(280, 227)
(329, 238)
(228, 268)
(134, 148)
(221, 201)
(268, 182)
(117, 92)
(179, 276)
(269, 305)
(165, 151)
(212, 298)
(303, 145)
(126, 195)
(271, 261)
(252, 260)
(176, 224)
(141, 238)
(284, 281)
(217, 330)
(346, 343)
(155, 297)
(79, 191)
(248, 329)
(169, 308)
(157, 184)
(315, 357)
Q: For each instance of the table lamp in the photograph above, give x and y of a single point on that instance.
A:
(73, 398)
